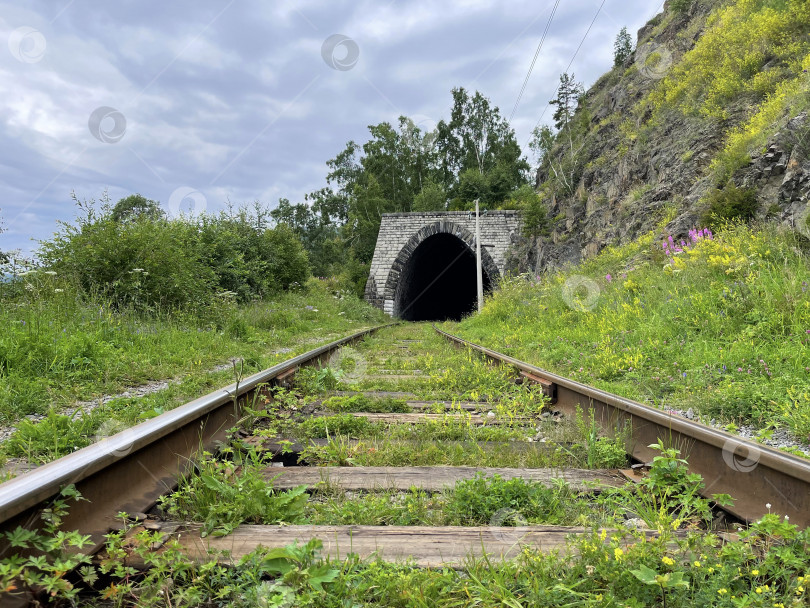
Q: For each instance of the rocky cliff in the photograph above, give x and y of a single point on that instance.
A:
(712, 101)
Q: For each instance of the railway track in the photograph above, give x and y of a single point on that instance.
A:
(404, 413)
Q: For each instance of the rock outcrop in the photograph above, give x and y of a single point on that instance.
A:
(628, 173)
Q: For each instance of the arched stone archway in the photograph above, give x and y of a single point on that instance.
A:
(403, 235)
(433, 275)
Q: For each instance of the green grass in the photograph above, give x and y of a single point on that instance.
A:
(476, 502)
(341, 451)
(57, 350)
(362, 403)
(723, 328)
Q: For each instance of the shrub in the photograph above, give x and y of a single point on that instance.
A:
(535, 213)
(730, 203)
(680, 6)
(145, 263)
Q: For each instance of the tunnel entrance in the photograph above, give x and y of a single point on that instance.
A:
(438, 281)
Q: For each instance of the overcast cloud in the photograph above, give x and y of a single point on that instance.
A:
(233, 100)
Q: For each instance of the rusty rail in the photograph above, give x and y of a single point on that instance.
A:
(130, 470)
(753, 474)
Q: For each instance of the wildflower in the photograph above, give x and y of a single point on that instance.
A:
(758, 589)
(668, 561)
(58, 290)
(722, 591)
(608, 277)
(618, 553)
(696, 564)
(768, 506)
(711, 570)
(50, 273)
(755, 572)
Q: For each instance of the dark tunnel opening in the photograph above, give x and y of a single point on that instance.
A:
(438, 281)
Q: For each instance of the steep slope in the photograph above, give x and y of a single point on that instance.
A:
(708, 114)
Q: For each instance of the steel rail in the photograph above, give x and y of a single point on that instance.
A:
(753, 474)
(128, 471)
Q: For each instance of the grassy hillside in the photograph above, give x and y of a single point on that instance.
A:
(720, 325)
(707, 116)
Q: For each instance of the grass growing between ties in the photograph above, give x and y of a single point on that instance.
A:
(720, 325)
(342, 451)
(767, 565)
(476, 502)
(232, 490)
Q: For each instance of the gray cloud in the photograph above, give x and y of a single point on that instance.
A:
(234, 99)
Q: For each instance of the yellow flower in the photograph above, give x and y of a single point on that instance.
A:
(800, 590)
(603, 534)
(668, 561)
(711, 570)
(758, 589)
(755, 572)
(722, 591)
(696, 564)
(618, 553)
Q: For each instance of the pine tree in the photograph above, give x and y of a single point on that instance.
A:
(622, 47)
(566, 100)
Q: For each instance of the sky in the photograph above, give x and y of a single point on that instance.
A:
(197, 104)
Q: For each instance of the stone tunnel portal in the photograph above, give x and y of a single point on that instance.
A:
(438, 281)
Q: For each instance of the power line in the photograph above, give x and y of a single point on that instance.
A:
(534, 60)
(570, 63)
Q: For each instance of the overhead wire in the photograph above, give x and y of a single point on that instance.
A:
(534, 59)
(570, 63)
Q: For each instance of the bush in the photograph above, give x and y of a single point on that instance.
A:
(286, 262)
(145, 263)
(354, 276)
(730, 203)
(535, 213)
(148, 262)
(680, 6)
